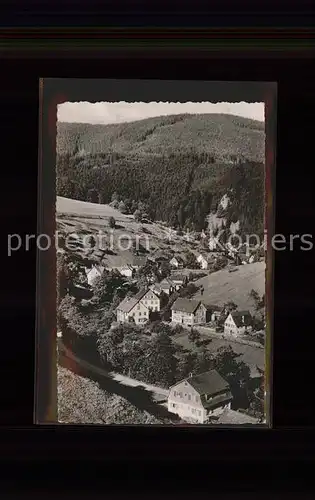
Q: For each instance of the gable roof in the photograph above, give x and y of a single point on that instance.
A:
(238, 315)
(208, 258)
(156, 286)
(127, 304)
(97, 268)
(166, 283)
(235, 417)
(185, 305)
(209, 382)
(142, 293)
(213, 307)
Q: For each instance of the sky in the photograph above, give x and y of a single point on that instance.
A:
(118, 112)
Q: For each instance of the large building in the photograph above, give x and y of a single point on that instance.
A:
(200, 397)
(138, 307)
(188, 312)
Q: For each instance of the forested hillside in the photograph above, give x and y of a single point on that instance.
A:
(178, 167)
(218, 135)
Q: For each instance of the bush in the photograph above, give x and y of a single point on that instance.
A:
(194, 336)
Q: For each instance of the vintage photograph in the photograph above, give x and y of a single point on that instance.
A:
(161, 263)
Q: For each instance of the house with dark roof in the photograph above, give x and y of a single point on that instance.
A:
(165, 286)
(179, 280)
(198, 398)
(188, 312)
(138, 307)
(177, 262)
(213, 311)
(237, 323)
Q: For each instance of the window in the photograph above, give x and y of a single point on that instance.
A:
(144, 313)
(139, 313)
(173, 405)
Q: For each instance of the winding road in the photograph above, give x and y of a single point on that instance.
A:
(158, 392)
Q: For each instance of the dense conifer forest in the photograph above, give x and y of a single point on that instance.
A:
(178, 167)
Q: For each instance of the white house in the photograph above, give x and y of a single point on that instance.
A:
(197, 398)
(126, 270)
(93, 273)
(138, 307)
(177, 262)
(237, 323)
(204, 260)
(188, 312)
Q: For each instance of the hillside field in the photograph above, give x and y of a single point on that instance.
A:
(84, 208)
(86, 218)
(222, 286)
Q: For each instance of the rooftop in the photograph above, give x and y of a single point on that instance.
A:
(208, 383)
(217, 400)
(166, 283)
(185, 305)
(238, 317)
(127, 304)
(97, 268)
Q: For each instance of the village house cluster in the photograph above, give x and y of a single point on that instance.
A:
(205, 397)
(184, 311)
